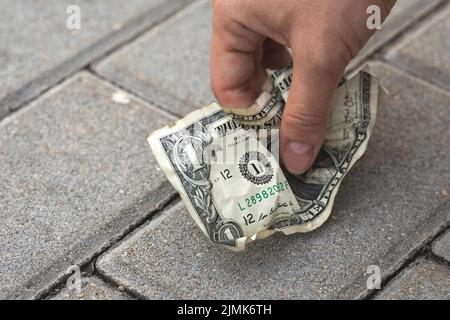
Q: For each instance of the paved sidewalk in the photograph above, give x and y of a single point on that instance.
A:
(79, 185)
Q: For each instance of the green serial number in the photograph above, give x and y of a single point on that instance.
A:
(263, 195)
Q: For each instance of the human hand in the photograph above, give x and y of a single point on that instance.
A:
(324, 35)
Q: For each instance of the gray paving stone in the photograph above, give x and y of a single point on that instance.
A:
(426, 52)
(169, 65)
(424, 280)
(37, 49)
(404, 14)
(76, 173)
(389, 204)
(441, 247)
(92, 288)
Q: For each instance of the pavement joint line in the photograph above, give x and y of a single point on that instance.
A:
(111, 280)
(114, 285)
(378, 51)
(104, 80)
(438, 259)
(33, 99)
(91, 273)
(59, 283)
(407, 73)
(426, 254)
(146, 102)
(413, 26)
(137, 95)
(130, 291)
(191, 6)
(156, 22)
(136, 28)
(415, 253)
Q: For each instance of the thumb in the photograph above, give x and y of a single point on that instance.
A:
(306, 114)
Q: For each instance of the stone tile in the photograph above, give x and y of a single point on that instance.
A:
(404, 14)
(169, 65)
(76, 173)
(37, 49)
(426, 52)
(92, 288)
(388, 205)
(441, 247)
(424, 280)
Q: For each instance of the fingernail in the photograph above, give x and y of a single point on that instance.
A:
(297, 157)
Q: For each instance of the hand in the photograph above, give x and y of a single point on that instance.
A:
(324, 35)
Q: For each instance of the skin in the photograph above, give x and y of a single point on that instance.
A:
(324, 36)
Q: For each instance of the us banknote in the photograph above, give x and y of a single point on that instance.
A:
(224, 162)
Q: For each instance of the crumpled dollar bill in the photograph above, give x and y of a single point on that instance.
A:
(224, 162)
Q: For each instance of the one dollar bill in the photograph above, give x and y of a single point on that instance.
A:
(224, 162)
